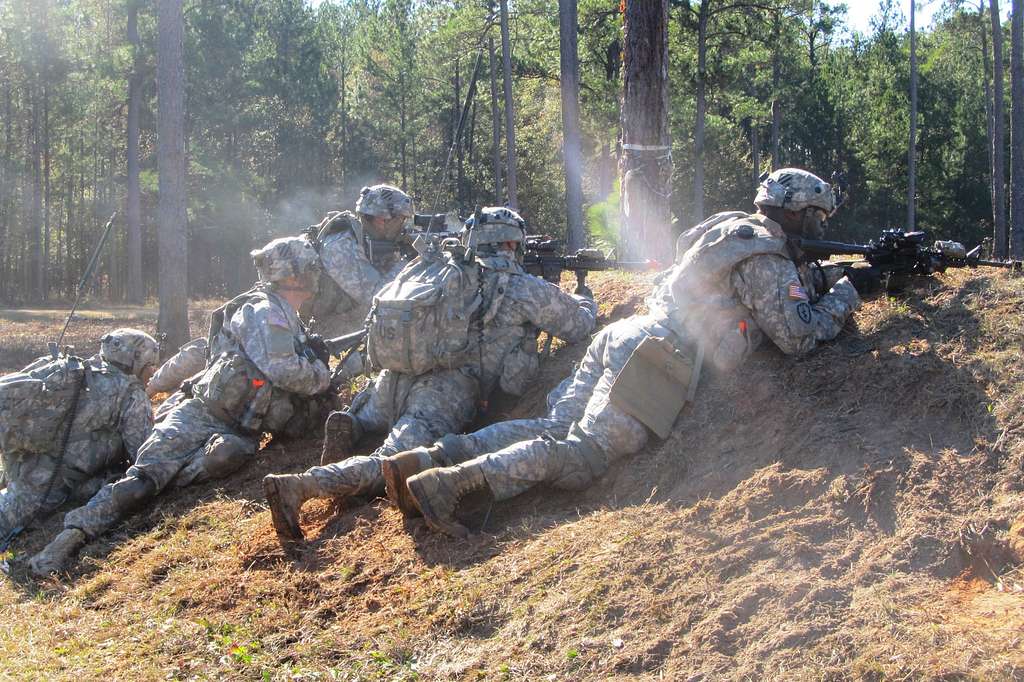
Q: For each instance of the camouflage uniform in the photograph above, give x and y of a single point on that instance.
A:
(420, 409)
(112, 421)
(733, 286)
(187, 362)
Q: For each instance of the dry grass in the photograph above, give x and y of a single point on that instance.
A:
(844, 516)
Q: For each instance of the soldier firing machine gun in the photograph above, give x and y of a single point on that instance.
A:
(544, 258)
(897, 255)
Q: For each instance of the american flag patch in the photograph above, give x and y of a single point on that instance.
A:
(797, 293)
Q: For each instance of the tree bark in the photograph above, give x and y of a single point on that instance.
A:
(36, 271)
(646, 163)
(495, 125)
(172, 241)
(133, 202)
(987, 80)
(1017, 131)
(912, 144)
(699, 124)
(510, 116)
(572, 154)
(1000, 247)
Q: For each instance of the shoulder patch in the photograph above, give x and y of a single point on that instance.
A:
(797, 292)
(744, 232)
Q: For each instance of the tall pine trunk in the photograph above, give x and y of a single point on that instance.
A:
(1017, 131)
(912, 144)
(776, 131)
(133, 202)
(510, 115)
(495, 125)
(998, 136)
(646, 165)
(700, 123)
(573, 156)
(172, 236)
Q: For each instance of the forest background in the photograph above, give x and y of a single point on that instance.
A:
(291, 108)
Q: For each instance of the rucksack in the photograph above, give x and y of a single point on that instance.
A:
(36, 406)
(421, 319)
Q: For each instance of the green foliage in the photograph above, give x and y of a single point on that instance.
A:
(293, 106)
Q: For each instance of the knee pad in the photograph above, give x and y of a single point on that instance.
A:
(128, 494)
(583, 460)
(450, 450)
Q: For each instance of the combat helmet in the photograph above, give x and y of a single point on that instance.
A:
(286, 257)
(795, 189)
(494, 225)
(131, 350)
(384, 201)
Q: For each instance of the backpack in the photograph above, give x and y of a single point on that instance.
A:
(36, 406)
(421, 319)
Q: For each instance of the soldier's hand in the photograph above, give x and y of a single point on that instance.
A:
(865, 278)
(584, 290)
(317, 344)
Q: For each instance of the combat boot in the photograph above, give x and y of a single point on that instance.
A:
(341, 433)
(286, 494)
(53, 557)
(437, 493)
(397, 469)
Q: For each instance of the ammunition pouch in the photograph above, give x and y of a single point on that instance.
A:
(655, 383)
(235, 391)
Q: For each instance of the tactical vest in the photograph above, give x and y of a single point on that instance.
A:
(704, 308)
(421, 320)
(233, 388)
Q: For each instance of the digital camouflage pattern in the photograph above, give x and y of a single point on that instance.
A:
(198, 438)
(419, 410)
(187, 362)
(130, 349)
(795, 189)
(113, 419)
(384, 201)
(286, 257)
(721, 279)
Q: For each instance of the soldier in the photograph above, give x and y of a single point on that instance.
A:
(356, 258)
(420, 408)
(737, 280)
(259, 380)
(106, 416)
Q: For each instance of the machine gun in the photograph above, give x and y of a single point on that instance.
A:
(897, 255)
(544, 258)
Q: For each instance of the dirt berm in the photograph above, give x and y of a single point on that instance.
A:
(849, 515)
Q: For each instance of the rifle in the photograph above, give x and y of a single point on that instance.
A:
(317, 347)
(544, 258)
(896, 255)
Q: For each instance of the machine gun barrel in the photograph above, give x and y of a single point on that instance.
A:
(819, 247)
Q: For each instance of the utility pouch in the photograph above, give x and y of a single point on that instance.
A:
(654, 384)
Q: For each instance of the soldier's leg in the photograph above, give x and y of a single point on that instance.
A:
(220, 456)
(374, 409)
(436, 404)
(21, 503)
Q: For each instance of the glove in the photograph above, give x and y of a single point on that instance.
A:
(316, 343)
(865, 278)
(584, 291)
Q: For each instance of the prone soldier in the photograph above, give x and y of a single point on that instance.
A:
(262, 377)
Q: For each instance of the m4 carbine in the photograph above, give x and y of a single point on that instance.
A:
(544, 258)
(896, 255)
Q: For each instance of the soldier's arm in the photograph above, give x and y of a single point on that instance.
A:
(269, 342)
(553, 310)
(346, 263)
(188, 361)
(771, 288)
(135, 421)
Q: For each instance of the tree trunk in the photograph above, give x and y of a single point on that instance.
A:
(699, 124)
(495, 126)
(987, 80)
(755, 153)
(572, 154)
(776, 99)
(133, 202)
(912, 144)
(457, 136)
(38, 266)
(1000, 247)
(646, 164)
(45, 279)
(172, 241)
(510, 116)
(1017, 131)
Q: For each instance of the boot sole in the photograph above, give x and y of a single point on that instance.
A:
(397, 490)
(454, 529)
(338, 444)
(287, 534)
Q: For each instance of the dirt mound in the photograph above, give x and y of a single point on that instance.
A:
(846, 515)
